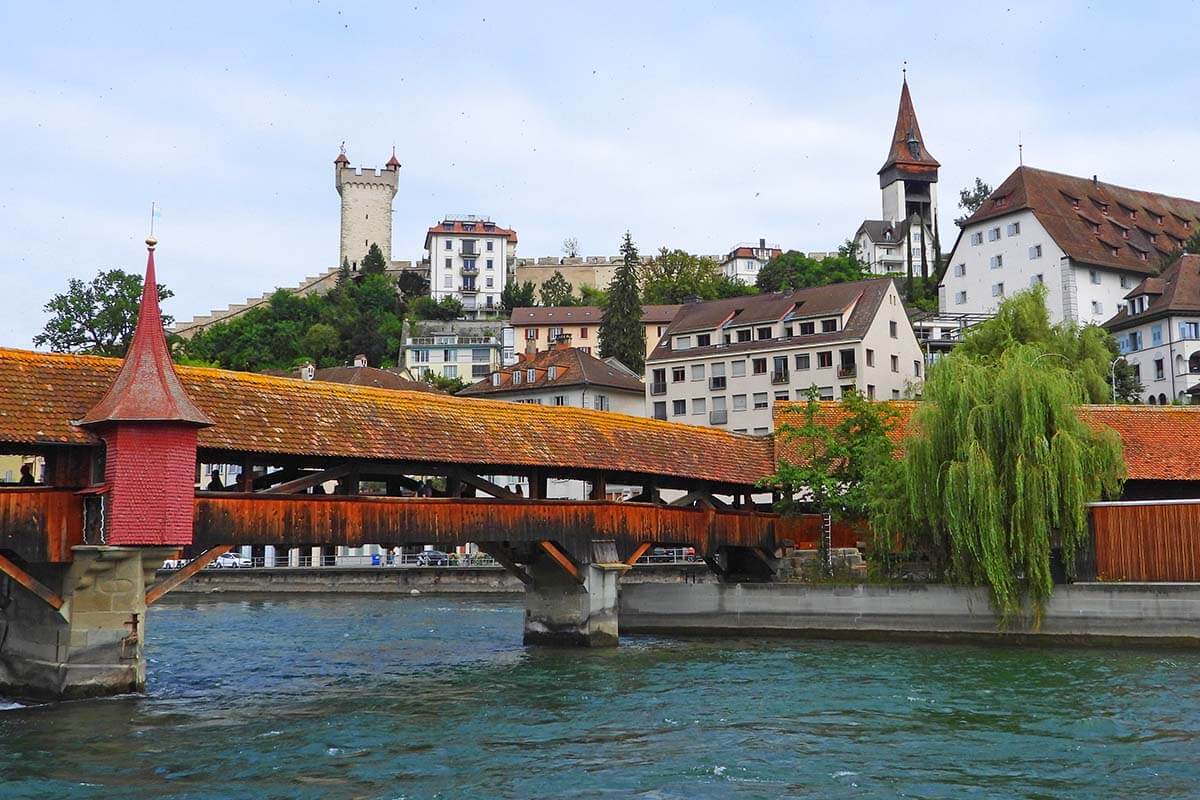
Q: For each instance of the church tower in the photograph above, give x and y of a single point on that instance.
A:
(909, 176)
(366, 207)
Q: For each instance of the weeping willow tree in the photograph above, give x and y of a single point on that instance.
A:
(997, 470)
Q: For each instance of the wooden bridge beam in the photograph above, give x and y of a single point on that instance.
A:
(155, 592)
(31, 583)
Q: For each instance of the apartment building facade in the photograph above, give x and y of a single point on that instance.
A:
(466, 350)
(746, 260)
(726, 362)
(1089, 242)
(539, 327)
(469, 259)
(1158, 331)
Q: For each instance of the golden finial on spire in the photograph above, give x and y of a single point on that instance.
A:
(154, 214)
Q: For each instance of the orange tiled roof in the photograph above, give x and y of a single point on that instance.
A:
(268, 415)
(1159, 441)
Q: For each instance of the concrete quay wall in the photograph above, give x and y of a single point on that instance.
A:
(1151, 614)
(400, 580)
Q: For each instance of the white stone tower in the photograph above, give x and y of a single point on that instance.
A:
(366, 207)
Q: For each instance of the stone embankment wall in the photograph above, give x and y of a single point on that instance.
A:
(1167, 614)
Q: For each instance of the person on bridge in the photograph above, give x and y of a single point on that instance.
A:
(426, 489)
(27, 475)
(214, 484)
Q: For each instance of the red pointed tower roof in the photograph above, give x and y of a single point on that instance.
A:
(147, 388)
(392, 162)
(908, 148)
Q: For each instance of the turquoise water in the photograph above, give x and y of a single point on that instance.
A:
(398, 697)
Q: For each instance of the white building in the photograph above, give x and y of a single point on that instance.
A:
(746, 260)
(1158, 330)
(725, 362)
(469, 259)
(906, 237)
(467, 350)
(1088, 241)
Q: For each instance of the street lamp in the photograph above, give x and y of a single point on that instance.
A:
(1112, 374)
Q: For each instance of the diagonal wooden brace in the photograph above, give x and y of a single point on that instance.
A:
(155, 592)
(31, 583)
(561, 559)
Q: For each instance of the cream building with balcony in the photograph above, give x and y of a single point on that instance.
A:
(469, 259)
(726, 362)
(1158, 331)
(466, 350)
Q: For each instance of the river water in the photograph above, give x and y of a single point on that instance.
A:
(423, 697)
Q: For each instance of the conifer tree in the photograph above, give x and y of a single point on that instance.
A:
(343, 272)
(373, 263)
(622, 335)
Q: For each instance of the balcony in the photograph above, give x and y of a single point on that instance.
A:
(780, 377)
(718, 417)
(658, 388)
(469, 289)
(469, 252)
(847, 370)
(716, 383)
(471, 269)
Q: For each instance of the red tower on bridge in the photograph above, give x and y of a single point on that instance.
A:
(148, 424)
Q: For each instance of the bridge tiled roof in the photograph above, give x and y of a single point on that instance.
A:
(1159, 441)
(268, 415)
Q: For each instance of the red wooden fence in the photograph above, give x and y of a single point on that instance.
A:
(1151, 541)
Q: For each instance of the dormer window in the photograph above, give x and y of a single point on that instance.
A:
(516, 377)
(468, 226)
(530, 375)
(1158, 218)
(1143, 255)
(1095, 228)
(551, 373)
(1001, 202)
(1114, 251)
(495, 379)
(448, 226)
(1124, 233)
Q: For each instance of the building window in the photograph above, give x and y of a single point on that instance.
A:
(450, 370)
(759, 366)
(553, 333)
(703, 340)
(1035, 252)
(829, 325)
(561, 400)
(825, 359)
(737, 369)
(893, 329)
(760, 400)
(530, 375)
(1094, 276)
(449, 263)
(678, 408)
(683, 342)
(488, 283)
(997, 290)
(660, 409)
(697, 372)
(996, 261)
(895, 363)
(960, 270)
(1189, 330)
(895, 394)
(960, 297)
(764, 333)
(739, 402)
(870, 357)
(1097, 307)
(870, 391)
(531, 334)
(447, 281)
(802, 361)
(1014, 228)
(782, 394)
(551, 373)
(826, 392)
(808, 328)
(917, 368)
(489, 261)
(489, 249)
(583, 333)
(600, 402)
(678, 374)
(699, 405)
(1158, 369)
(1034, 280)
(1155, 334)
(993, 234)
(449, 244)
(976, 238)
(743, 335)
(495, 379)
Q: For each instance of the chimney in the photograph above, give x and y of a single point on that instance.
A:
(360, 360)
(562, 341)
(762, 244)
(308, 372)
(530, 348)
(1095, 181)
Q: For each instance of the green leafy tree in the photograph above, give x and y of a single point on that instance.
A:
(1089, 350)
(373, 262)
(621, 332)
(516, 295)
(972, 198)
(411, 285)
(446, 309)
(96, 317)
(997, 470)
(448, 385)
(727, 287)
(826, 467)
(795, 270)
(591, 296)
(675, 275)
(557, 291)
(320, 343)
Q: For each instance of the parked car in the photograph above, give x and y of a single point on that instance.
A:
(174, 563)
(433, 558)
(230, 561)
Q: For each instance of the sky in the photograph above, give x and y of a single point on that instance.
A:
(692, 125)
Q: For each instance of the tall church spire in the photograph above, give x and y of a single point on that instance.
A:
(907, 151)
(147, 388)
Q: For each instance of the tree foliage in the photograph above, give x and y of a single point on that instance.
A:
(591, 296)
(358, 316)
(622, 334)
(516, 295)
(444, 310)
(98, 316)
(1088, 350)
(795, 270)
(675, 275)
(570, 247)
(557, 291)
(972, 197)
(373, 262)
(997, 470)
(411, 285)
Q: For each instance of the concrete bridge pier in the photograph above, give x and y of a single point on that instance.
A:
(91, 644)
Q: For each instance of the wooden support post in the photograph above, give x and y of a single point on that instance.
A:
(31, 583)
(504, 558)
(638, 552)
(599, 487)
(155, 592)
(561, 559)
(453, 486)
